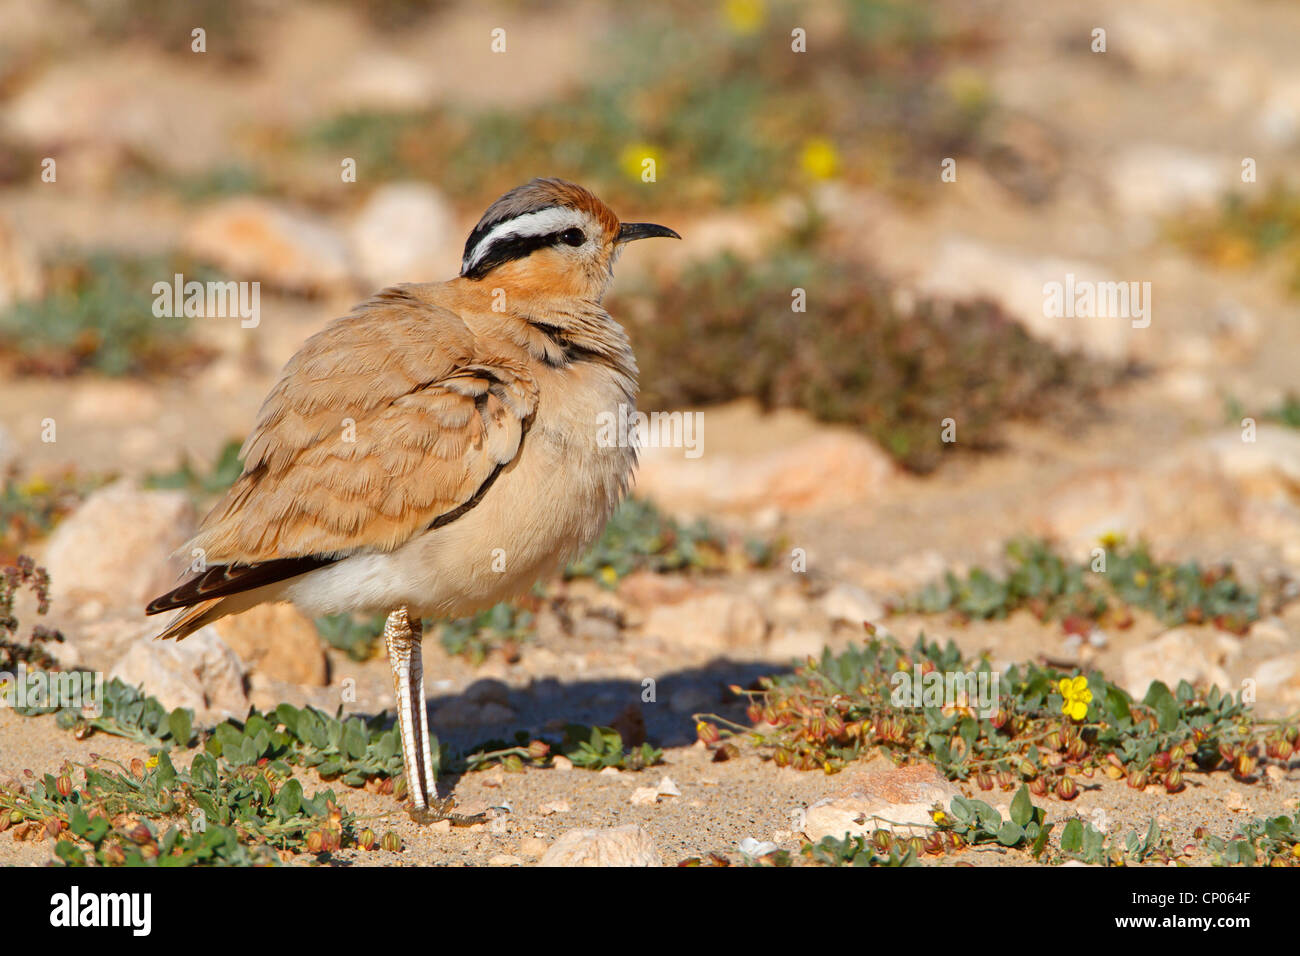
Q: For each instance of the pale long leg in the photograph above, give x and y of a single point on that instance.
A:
(402, 636)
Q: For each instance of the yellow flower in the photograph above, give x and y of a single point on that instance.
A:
(744, 16)
(819, 159)
(35, 486)
(633, 162)
(1077, 697)
(152, 762)
(608, 575)
(939, 817)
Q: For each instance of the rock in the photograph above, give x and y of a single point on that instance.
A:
(1180, 497)
(502, 859)
(642, 796)
(630, 724)
(667, 787)
(404, 233)
(880, 796)
(650, 795)
(488, 691)
(1278, 119)
(200, 672)
(1194, 654)
(114, 552)
(257, 240)
(831, 469)
(279, 641)
(754, 849)
(20, 273)
(844, 602)
(532, 847)
(617, 846)
(465, 712)
(797, 643)
(708, 621)
(1154, 180)
(963, 268)
(1277, 684)
(1267, 467)
(557, 806)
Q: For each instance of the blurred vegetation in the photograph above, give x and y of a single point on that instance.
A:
(726, 329)
(202, 485)
(97, 316)
(726, 110)
(639, 537)
(1245, 231)
(1052, 587)
(1286, 412)
(30, 508)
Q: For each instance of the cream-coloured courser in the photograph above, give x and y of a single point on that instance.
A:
(435, 451)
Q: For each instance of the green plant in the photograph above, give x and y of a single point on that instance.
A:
(98, 316)
(1052, 587)
(599, 747)
(639, 537)
(202, 485)
(845, 706)
(724, 330)
(474, 637)
(1271, 841)
(356, 635)
(214, 814)
(30, 509)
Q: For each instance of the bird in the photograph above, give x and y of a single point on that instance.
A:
(435, 451)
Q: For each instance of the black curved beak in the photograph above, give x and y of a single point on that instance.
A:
(644, 230)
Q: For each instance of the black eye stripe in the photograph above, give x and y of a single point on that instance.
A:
(509, 248)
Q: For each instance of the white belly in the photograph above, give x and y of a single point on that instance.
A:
(550, 503)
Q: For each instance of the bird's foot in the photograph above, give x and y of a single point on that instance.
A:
(444, 809)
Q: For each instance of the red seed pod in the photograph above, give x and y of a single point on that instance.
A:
(984, 780)
(137, 767)
(1006, 780)
(1138, 779)
(1038, 787)
(1028, 770)
(1078, 749)
(1053, 741)
(1161, 762)
(707, 733)
(1066, 788)
(1178, 754)
(934, 844)
(367, 839)
(1245, 765)
(392, 842)
(64, 785)
(539, 750)
(315, 841)
(1174, 780)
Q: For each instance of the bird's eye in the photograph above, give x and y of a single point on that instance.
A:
(572, 237)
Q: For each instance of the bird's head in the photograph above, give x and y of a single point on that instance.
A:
(552, 238)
